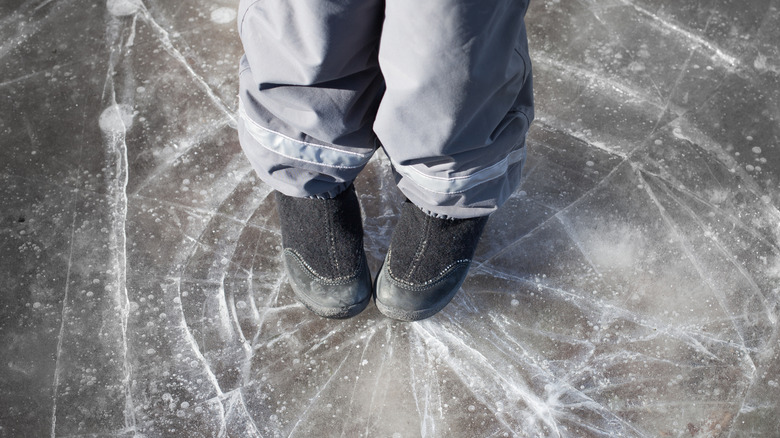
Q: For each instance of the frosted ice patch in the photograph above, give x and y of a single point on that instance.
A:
(120, 8)
(116, 119)
(223, 15)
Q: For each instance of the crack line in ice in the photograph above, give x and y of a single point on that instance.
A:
(387, 352)
(553, 217)
(119, 232)
(42, 5)
(483, 388)
(668, 101)
(602, 81)
(189, 143)
(231, 306)
(719, 54)
(547, 124)
(199, 241)
(684, 244)
(246, 366)
(246, 412)
(115, 141)
(601, 310)
(117, 147)
(26, 30)
(61, 335)
(684, 130)
(322, 341)
(200, 213)
(562, 384)
(735, 221)
(313, 400)
(277, 288)
(726, 253)
(567, 227)
(222, 317)
(212, 378)
(372, 331)
(430, 382)
(88, 61)
(427, 425)
(165, 39)
(236, 403)
(748, 391)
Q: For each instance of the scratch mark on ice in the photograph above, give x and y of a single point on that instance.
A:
(719, 54)
(63, 317)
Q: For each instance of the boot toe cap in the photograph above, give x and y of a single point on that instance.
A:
(406, 302)
(329, 298)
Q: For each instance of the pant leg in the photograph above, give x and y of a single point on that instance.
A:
(309, 89)
(458, 102)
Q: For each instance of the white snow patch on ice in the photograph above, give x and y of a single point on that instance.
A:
(116, 119)
(223, 15)
(120, 8)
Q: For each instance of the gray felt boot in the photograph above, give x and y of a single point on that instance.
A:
(323, 253)
(426, 263)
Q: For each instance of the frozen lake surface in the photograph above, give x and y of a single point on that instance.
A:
(631, 287)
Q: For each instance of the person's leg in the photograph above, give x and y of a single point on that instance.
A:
(453, 121)
(309, 89)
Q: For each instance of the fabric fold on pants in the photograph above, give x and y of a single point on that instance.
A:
(445, 88)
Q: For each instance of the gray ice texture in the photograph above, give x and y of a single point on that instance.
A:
(629, 288)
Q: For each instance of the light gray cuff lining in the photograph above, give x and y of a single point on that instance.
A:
(290, 148)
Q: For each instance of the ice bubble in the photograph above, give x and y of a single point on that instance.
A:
(121, 8)
(223, 15)
(756, 150)
(116, 119)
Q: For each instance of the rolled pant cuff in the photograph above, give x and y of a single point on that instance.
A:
(477, 200)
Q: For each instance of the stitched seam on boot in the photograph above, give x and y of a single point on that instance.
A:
(334, 262)
(315, 276)
(428, 284)
(421, 247)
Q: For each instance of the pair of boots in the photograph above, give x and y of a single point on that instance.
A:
(426, 263)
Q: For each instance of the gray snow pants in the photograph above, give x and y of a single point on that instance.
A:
(443, 86)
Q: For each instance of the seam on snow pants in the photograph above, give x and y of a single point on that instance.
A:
(444, 87)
